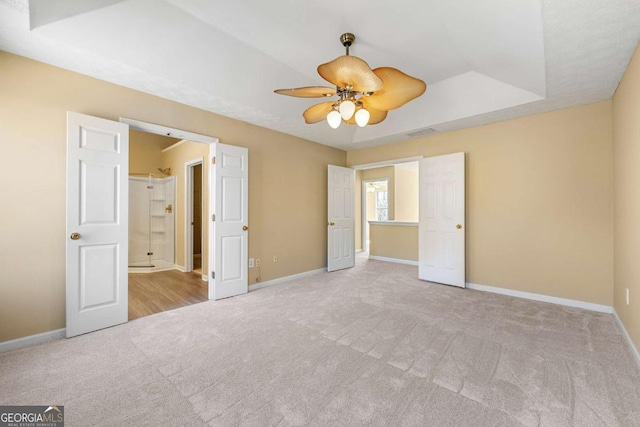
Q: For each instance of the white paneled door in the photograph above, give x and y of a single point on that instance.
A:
(231, 225)
(442, 222)
(341, 220)
(97, 223)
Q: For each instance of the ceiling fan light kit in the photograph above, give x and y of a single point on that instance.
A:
(364, 95)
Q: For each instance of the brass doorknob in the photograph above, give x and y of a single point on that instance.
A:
(459, 226)
(75, 236)
(245, 228)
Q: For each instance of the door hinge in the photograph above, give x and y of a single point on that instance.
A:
(213, 217)
(213, 160)
(213, 274)
(149, 253)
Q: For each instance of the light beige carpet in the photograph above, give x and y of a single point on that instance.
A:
(366, 346)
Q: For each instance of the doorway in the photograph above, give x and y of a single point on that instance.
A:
(375, 206)
(194, 237)
(162, 218)
(97, 218)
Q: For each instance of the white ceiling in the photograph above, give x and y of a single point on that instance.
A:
(483, 61)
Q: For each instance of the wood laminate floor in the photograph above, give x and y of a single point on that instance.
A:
(151, 293)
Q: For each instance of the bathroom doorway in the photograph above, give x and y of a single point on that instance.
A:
(163, 211)
(194, 207)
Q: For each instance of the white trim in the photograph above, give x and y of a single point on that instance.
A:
(145, 270)
(279, 280)
(207, 213)
(403, 223)
(204, 277)
(176, 145)
(386, 163)
(394, 260)
(32, 340)
(167, 131)
(626, 336)
(544, 298)
(180, 268)
(188, 209)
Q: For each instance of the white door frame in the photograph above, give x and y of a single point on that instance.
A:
(188, 211)
(195, 137)
(383, 163)
(363, 208)
(364, 166)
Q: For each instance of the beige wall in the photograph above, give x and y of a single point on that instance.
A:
(175, 158)
(287, 185)
(406, 195)
(539, 200)
(366, 175)
(394, 241)
(626, 149)
(145, 152)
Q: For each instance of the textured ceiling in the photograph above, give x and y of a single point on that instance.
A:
(483, 61)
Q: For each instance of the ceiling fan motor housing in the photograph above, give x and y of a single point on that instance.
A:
(347, 39)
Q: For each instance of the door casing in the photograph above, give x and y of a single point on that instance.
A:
(188, 209)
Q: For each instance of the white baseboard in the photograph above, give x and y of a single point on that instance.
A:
(626, 336)
(204, 277)
(146, 270)
(395, 260)
(260, 285)
(32, 340)
(544, 298)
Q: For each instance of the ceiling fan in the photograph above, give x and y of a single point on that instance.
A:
(364, 95)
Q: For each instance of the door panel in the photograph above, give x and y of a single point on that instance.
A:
(231, 196)
(97, 210)
(341, 221)
(98, 283)
(442, 220)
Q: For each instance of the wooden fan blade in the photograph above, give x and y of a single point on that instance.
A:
(350, 70)
(308, 92)
(399, 88)
(317, 113)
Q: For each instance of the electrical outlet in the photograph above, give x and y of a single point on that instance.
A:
(627, 295)
(251, 263)
(275, 258)
(257, 262)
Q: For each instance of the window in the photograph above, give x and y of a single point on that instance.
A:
(382, 206)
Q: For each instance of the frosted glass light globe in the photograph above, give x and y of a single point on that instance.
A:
(347, 108)
(334, 118)
(362, 117)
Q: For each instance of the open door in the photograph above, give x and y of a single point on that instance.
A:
(340, 218)
(231, 222)
(441, 255)
(97, 223)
